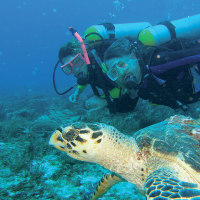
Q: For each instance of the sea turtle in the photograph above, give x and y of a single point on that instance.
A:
(162, 160)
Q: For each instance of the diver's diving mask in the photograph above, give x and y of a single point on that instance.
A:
(117, 69)
(125, 71)
(76, 62)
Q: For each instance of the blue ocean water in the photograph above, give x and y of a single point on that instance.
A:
(32, 32)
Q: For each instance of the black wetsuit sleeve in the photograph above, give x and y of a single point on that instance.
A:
(123, 104)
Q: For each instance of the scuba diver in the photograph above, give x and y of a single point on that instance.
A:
(140, 61)
(73, 61)
(168, 74)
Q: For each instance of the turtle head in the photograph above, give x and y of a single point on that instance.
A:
(81, 141)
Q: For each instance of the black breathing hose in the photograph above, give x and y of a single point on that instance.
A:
(54, 83)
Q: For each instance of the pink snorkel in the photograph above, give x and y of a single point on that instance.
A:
(78, 37)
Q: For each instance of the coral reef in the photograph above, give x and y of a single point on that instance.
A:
(31, 169)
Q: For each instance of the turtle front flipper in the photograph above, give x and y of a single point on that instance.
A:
(107, 181)
(163, 184)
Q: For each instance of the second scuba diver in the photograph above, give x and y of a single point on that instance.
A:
(150, 62)
(168, 74)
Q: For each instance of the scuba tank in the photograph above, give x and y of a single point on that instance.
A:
(165, 31)
(109, 31)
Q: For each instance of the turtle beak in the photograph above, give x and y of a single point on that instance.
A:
(57, 141)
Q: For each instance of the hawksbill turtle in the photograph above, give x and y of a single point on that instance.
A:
(162, 160)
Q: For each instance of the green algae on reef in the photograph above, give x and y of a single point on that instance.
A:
(31, 169)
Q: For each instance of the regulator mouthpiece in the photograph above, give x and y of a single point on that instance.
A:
(130, 82)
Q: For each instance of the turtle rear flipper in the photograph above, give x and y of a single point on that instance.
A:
(107, 181)
(163, 184)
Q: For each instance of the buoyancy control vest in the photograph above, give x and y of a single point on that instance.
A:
(165, 88)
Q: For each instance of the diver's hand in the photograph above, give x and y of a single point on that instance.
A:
(73, 98)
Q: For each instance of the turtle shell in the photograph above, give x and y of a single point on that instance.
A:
(178, 135)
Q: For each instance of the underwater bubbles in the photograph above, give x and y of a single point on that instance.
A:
(34, 72)
(111, 15)
(118, 5)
